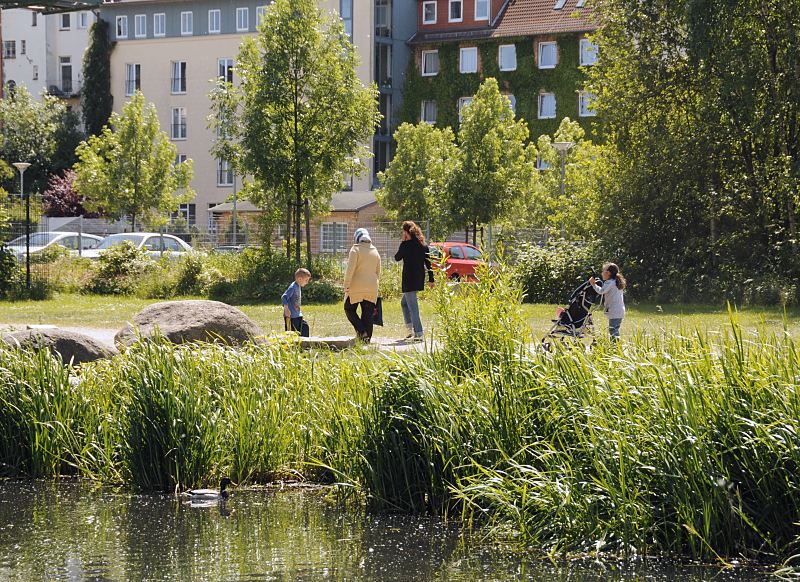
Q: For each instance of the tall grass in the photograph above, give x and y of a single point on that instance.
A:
(682, 443)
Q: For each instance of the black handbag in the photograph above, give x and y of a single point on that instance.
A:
(377, 315)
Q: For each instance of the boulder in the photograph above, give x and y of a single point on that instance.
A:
(189, 321)
(72, 347)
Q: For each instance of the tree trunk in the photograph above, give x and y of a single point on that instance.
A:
(297, 223)
(289, 229)
(466, 233)
(308, 232)
(475, 233)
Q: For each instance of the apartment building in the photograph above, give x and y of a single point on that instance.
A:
(537, 49)
(45, 52)
(174, 50)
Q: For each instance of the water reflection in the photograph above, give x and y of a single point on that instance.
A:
(72, 532)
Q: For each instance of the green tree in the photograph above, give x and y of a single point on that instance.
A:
(96, 100)
(302, 115)
(699, 101)
(131, 171)
(498, 167)
(28, 133)
(574, 214)
(416, 185)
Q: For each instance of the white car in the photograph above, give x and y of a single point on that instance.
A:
(154, 243)
(42, 240)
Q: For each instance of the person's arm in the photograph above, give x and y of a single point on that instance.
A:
(352, 259)
(285, 300)
(597, 288)
(401, 252)
(428, 266)
(378, 267)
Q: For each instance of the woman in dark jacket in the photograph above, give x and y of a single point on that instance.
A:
(414, 253)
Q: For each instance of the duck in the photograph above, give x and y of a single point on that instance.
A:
(210, 494)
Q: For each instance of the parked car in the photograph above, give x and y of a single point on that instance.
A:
(154, 243)
(460, 259)
(40, 241)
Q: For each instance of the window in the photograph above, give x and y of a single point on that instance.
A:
(122, 27)
(585, 104)
(462, 103)
(481, 9)
(559, 4)
(178, 77)
(23, 47)
(542, 164)
(83, 20)
(548, 55)
(159, 24)
(383, 18)
(383, 64)
(429, 112)
(346, 10)
(333, 237)
(579, 4)
(211, 222)
(455, 11)
(385, 109)
(469, 60)
(588, 53)
(180, 158)
(178, 123)
(9, 49)
(224, 173)
(429, 12)
(225, 69)
(65, 21)
(65, 66)
(430, 63)
(507, 57)
(140, 25)
(33, 18)
(35, 72)
(187, 23)
(242, 19)
(513, 101)
(133, 78)
(187, 212)
(547, 105)
(456, 253)
(214, 22)
(261, 12)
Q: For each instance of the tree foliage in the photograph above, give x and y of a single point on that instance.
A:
(302, 115)
(97, 102)
(498, 166)
(416, 184)
(60, 198)
(700, 103)
(29, 130)
(131, 170)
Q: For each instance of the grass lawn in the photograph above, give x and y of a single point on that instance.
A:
(112, 312)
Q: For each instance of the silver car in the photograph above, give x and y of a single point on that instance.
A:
(155, 244)
(73, 241)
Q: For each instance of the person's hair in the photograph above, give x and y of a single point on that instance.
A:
(613, 270)
(301, 272)
(411, 228)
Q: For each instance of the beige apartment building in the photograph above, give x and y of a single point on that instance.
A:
(174, 50)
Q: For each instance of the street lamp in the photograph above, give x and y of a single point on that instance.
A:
(562, 147)
(22, 166)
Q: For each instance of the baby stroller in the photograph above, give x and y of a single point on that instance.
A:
(574, 322)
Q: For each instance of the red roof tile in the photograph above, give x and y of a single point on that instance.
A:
(532, 17)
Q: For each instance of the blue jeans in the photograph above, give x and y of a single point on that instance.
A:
(613, 328)
(410, 308)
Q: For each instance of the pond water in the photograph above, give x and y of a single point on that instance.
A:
(70, 531)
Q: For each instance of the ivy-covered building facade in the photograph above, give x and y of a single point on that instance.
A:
(538, 51)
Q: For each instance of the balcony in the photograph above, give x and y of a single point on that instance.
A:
(64, 88)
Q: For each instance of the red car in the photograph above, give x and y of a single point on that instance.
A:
(460, 259)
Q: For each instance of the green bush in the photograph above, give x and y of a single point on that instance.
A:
(49, 254)
(549, 273)
(9, 273)
(118, 269)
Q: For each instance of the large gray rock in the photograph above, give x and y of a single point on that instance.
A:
(72, 347)
(189, 321)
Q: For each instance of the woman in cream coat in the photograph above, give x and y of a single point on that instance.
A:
(361, 284)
